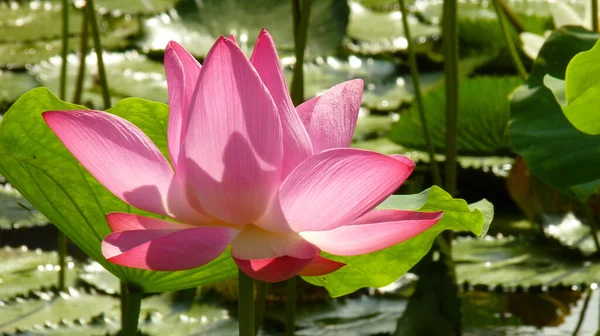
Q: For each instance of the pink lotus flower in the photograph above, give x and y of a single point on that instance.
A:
(246, 169)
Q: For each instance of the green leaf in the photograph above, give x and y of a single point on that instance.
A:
(52, 308)
(383, 267)
(484, 113)
(198, 24)
(23, 271)
(16, 212)
(579, 97)
(514, 262)
(540, 132)
(40, 167)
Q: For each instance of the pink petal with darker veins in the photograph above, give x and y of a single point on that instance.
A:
(273, 269)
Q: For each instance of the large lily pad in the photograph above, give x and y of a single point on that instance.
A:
(484, 114)
(16, 212)
(50, 308)
(514, 262)
(196, 25)
(383, 267)
(41, 168)
(372, 32)
(23, 271)
(540, 132)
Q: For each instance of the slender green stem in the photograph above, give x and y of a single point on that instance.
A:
(591, 219)
(123, 296)
(62, 256)
(65, 49)
(595, 16)
(245, 304)
(260, 303)
(89, 6)
(450, 36)
(133, 303)
(509, 41)
(290, 306)
(512, 18)
(62, 239)
(83, 50)
(301, 16)
(414, 73)
(586, 303)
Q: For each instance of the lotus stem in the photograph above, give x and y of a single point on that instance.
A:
(260, 303)
(301, 16)
(89, 6)
(591, 218)
(586, 303)
(83, 50)
(290, 306)
(512, 18)
(514, 55)
(414, 73)
(595, 16)
(450, 36)
(245, 304)
(62, 239)
(133, 303)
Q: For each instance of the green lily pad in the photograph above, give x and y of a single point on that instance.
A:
(49, 308)
(385, 89)
(381, 268)
(95, 275)
(372, 32)
(570, 231)
(23, 271)
(381, 145)
(578, 94)
(41, 168)
(484, 114)
(21, 53)
(13, 85)
(371, 126)
(16, 212)
(540, 132)
(197, 25)
(140, 7)
(518, 262)
(129, 74)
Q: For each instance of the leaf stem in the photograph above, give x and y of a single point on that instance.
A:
(245, 304)
(89, 6)
(301, 16)
(593, 225)
(62, 239)
(414, 73)
(595, 16)
(586, 303)
(260, 303)
(514, 55)
(83, 50)
(450, 36)
(290, 306)
(132, 311)
(512, 18)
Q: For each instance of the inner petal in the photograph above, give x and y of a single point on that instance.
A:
(256, 243)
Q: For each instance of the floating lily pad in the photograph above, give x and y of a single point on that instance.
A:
(518, 262)
(385, 88)
(16, 212)
(484, 114)
(23, 271)
(371, 126)
(570, 231)
(197, 25)
(13, 85)
(96, 275)
(50, 308)
(19, 53)
(372, 32)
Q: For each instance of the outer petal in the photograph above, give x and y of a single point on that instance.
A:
(331, 122)
(120, 221)
(167, 249)
(182, 71)
(333, 188)
(296, 143)
(321, 266)
(256, 243)
(233, 146)
(373, 232)
(274, 269)
(117, 154)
